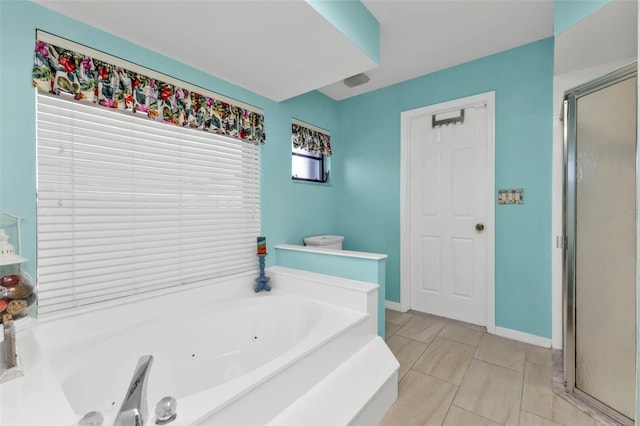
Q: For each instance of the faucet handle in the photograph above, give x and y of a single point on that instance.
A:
(166, 410)
(92, 418)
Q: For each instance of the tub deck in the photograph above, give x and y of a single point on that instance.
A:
(88, 366)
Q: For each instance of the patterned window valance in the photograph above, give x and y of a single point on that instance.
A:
(309, 139)
(58, 70)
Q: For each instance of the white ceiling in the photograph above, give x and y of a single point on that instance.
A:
(423, 36)
(283, 48)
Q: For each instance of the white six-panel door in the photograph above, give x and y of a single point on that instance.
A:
(449, 214)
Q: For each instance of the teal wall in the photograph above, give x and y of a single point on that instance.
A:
(362, 199)
(293, 210)
(290, 211)
(369, 164)
(569, 12)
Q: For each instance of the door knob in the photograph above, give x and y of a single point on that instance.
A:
(479, 227)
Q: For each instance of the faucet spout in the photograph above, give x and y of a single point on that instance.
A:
(134, 408)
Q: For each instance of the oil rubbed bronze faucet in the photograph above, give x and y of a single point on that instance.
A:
(134, 408)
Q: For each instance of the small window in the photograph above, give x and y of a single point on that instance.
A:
(310, 149)
(307, 165)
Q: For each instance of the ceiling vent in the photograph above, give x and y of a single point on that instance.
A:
(356, 80)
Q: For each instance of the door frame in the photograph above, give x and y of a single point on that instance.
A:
(405, 197)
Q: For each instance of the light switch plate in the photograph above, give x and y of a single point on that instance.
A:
(511, 196)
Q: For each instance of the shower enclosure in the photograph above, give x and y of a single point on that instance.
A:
(600, 120)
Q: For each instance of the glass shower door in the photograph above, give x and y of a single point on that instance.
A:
(604, 243)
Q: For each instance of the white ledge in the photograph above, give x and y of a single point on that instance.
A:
(346, 253)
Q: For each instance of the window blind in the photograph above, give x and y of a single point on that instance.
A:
(129, 206)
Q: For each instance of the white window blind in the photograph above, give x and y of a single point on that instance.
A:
(127, 205)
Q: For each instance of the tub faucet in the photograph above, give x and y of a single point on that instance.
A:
(134, 407)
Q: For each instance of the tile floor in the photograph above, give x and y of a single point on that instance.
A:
(453, 373)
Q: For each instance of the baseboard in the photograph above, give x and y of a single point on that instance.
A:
(500, 331)
(523, 337)
(393, 306)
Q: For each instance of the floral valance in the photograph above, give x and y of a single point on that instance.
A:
(310, 140)
(57, 70)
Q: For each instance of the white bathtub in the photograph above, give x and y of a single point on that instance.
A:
(232, 356)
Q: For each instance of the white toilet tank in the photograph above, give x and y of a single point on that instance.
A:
(333, 242)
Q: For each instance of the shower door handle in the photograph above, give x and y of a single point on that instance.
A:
(479, 227)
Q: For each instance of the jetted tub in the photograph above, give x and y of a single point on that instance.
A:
(229, 356)
(196, 353)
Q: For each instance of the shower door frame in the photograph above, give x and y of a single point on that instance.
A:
(569, 243)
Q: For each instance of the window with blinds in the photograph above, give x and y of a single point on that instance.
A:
(129, 206)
